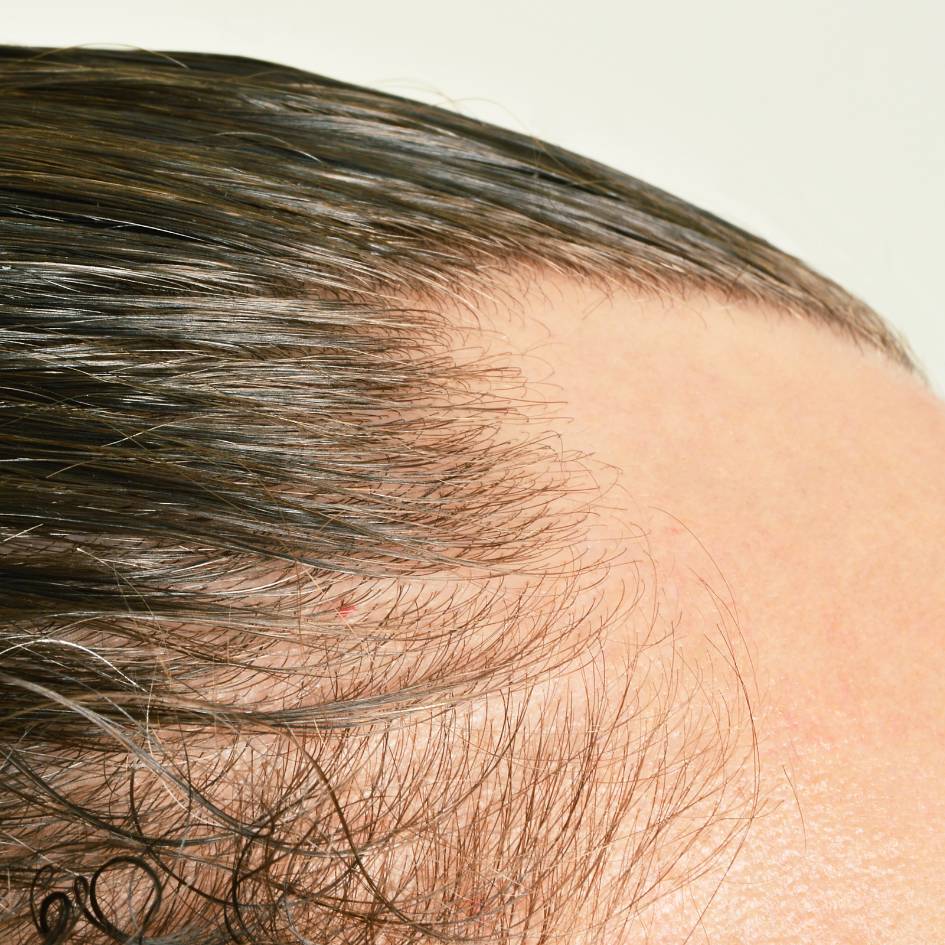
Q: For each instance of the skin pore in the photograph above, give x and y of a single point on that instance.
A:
(771, 461)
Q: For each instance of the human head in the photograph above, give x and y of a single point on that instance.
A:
(256, 509)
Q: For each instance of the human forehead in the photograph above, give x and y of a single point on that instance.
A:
(772, 453)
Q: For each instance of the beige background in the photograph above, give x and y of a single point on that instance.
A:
(819, 126)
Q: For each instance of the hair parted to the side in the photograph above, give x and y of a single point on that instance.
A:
(268, 542)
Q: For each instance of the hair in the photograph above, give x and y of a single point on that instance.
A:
(271, 536)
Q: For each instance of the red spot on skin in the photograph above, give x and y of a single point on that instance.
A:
(346, 610)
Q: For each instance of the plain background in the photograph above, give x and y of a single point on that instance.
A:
(818, 125)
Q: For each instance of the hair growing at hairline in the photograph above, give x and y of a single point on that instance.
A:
(234, 417)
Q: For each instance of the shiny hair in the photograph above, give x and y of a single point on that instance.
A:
(236, 425)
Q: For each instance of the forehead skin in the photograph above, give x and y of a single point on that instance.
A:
(810, 475)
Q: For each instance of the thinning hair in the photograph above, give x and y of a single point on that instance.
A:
(234, 414)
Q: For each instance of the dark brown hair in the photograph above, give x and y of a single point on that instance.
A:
(234, 414)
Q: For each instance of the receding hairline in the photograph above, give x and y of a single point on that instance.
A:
(509, 296)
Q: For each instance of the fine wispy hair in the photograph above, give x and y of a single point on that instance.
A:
(290, 567)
